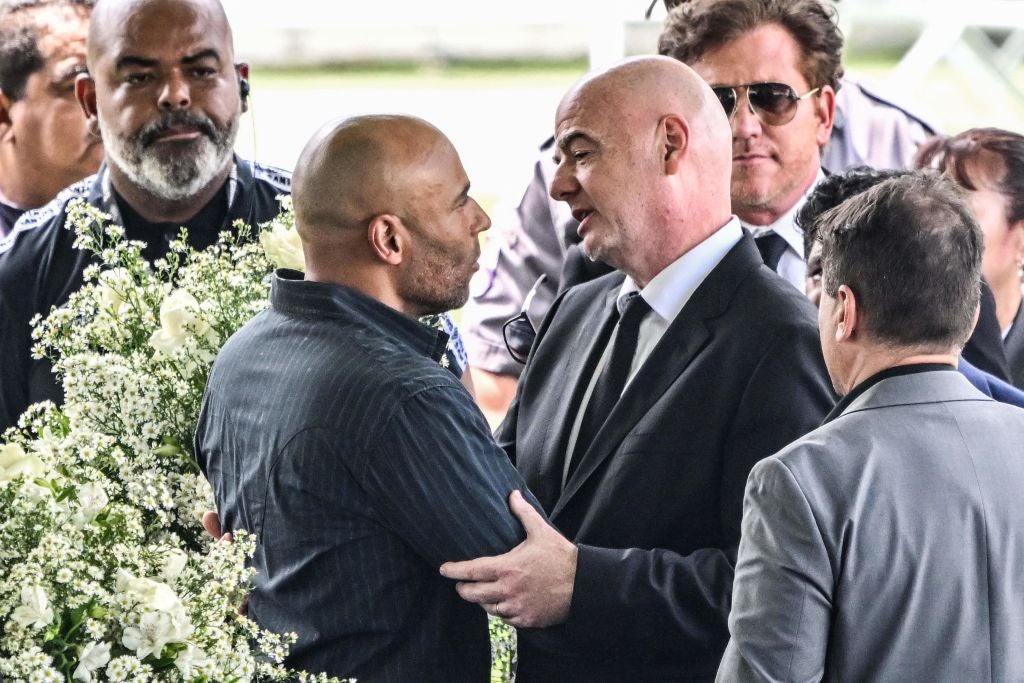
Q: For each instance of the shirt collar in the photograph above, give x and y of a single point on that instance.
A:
(669, 290)
(785, 225)
(291, 295)
(895, 371)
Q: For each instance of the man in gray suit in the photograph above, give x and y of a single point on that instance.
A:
(889, 543)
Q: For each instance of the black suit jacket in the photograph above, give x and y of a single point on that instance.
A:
(655, 504)
(1015, 350)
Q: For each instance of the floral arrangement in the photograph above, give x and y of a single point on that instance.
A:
(106, 573)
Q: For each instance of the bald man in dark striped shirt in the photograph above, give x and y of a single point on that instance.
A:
(332, 430)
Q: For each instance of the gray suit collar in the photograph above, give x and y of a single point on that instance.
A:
(925, 387)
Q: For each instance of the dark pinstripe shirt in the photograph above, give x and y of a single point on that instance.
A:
(331, 431)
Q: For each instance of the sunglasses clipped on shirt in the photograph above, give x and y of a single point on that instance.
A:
(774, 104)
(518, 331)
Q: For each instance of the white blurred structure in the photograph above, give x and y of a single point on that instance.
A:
(303, 32)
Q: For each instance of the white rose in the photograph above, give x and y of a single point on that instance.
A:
(35, 608)
(283, 247)
(150, 594)
(177, 314)
(15, 462)
(94, 656)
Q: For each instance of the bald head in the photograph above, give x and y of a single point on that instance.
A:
(644, 161)
(115, 21)
(639, 88)
(382, 205)
(355, 169)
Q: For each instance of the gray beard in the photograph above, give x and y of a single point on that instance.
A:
(176, 178)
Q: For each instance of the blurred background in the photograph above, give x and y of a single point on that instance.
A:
(490, 74)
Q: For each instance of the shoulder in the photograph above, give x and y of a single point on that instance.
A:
(591, 291)
(772, 305)
(38, 225)
(855, 95)
(274, 178)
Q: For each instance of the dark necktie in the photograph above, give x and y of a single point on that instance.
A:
(612, 379)
(772, 246)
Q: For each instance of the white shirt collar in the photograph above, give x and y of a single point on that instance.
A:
(669, 290)
(785, 225)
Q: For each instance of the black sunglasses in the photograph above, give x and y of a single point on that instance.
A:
(518, 331)
(774, 104)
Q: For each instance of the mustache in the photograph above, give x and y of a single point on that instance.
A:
(171, 119)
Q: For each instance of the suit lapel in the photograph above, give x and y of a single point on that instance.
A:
(681, 343)
(583, 352)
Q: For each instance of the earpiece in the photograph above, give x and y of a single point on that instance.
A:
(243, 87)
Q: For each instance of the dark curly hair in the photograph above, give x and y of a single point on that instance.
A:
(693, 28)
(835, 189)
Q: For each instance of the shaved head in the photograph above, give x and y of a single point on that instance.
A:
(636, 88)
(114, 19)
(355, 169)
(382, 205)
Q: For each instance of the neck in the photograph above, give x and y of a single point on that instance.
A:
(875, 361)
(160, 210)
(15, 191)
(363, 280)
(761, 215)
(664, 252)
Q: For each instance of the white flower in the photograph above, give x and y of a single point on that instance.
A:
(111, 286)
(174, 563)
(93, 657)
(149, 594)
(177, 313)
(15, 462)
(154, 631)
(283, 246)
(35, 608)
(191, 661)
(91, 501)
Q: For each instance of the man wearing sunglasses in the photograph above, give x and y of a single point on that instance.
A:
(775, 67)
(784, 100)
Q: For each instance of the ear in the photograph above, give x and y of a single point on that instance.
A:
(386, 236)
(85, 93)
(5, 109)
(847, 315)
(825, 111)
(674, 135)
(242, 71)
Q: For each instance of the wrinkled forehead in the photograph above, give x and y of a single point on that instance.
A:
(153, 26)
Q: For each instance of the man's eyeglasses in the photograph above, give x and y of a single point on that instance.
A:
(774, 104)
(518, 331)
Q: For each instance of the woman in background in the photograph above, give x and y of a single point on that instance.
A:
(989, 164)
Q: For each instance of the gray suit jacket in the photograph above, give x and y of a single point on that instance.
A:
(888, 544)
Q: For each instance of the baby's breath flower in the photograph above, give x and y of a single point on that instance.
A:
(101, 546)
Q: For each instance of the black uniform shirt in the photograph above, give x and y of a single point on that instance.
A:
(40, 267)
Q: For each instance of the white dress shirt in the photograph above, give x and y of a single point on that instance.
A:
(792, 266)
(666, 294)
